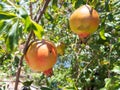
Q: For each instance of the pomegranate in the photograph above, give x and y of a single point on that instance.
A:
(41, 56)
(84, 21)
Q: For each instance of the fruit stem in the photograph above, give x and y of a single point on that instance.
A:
(87, 2)
(84, 38)
(48, 72)
(90, 9)
(27, 43)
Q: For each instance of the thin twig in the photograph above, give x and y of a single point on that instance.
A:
(26, 45)
(6, 81)
(86, 66)
(41, 11)
(80, 48)
(80, 73)
(21, 60)
(39, 8)
(31, 15)
(77, 46)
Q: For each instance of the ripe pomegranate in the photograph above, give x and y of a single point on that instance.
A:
(84, 21)
(41, 56)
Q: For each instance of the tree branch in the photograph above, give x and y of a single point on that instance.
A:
(41, 11)
(21, 60)
(27, 43)
(31, 15)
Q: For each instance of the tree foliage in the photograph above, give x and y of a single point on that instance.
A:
(91, 66)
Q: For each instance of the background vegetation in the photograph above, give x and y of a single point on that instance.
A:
(91, 66)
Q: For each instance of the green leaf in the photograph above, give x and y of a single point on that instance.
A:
(112, 83)
(45, 88)
(20, 31)
(54, 4)
(102, 32)
(110, 17)
(38, 30)
(49, 17)
(28, 83)
(5, 25)
(108, 81)
(12, 38)
(5, 6)
(116, 69)
(6, 15)
(28, 24)
(32, 25)
(78, 3)
(2, 24)
(107, 6)
(23, 13)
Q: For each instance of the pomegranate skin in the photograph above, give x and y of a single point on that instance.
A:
(84, 21)
(41, 55)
